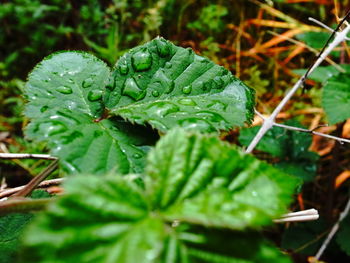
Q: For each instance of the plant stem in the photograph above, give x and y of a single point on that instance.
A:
(8, 192)
(333, 230)
(37, 179)
(26, 156)
(22, 205)
(269, 122)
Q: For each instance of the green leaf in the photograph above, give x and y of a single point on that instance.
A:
(290, 147)
(209, 190)
(336, 98)
(65, 100)
(343, 235)
(11, 227)
(166, 86)
(322, 74)
(203, 180)
(157, 83)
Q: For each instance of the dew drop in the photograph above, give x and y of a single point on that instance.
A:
(187, 89)
(44, 108)
(210, 116)
(170, 87)
(87, 83)
(158, 125)
(94, 95)
(52, 128)
(64, 90)
(155, 93)
(198, 85)
(132, 90)
(162, 109)
(187, 102)
(168, 65)
(163, 47)
(217, 105)
(137, 155)
(123, 68)
(219, 82)
(196, 124)
(142, 60)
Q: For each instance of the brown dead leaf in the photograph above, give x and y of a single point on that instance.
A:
(341, 178)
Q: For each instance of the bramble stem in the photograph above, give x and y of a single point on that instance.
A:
(269, 122)
(26, 156)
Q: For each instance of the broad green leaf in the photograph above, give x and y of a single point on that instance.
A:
(290, 147)
(211, 193)
(206, 181)
(336, 98)
(11, 227)
(167, 86)
(65, 103)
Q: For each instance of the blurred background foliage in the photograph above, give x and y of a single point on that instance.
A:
(264, 43)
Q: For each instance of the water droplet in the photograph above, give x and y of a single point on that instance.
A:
(210, 116)
(110, 86)
(187, 89)
(123, 67)
(162, 109)
(64, 89)
(158, 125)
(168, 65)
(155, 93)
(196, 124)
(94, 95)
(198, 85)
(71, 137)
(71, 104)
(219, 82)
(170, 87)
(137, 155)
(163, 47)
(87, 83)
(217, 105)
(187, 102)
(132, 90)
(52, 128)
(142, 60)
(44, 108)
(208, 85)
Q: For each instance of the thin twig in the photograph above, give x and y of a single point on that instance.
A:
(325, 26)
(26, 156)
(37, 180)
(333, 230)
(340, 140)
(20, 205)
(268, 123)
(8, 192)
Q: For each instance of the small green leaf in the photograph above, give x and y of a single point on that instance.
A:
(322, 74)
(343, 235)
(290, 147)
(196, 191)
(336, 98)
(11, 227)
(166, 86)
(65, 99)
